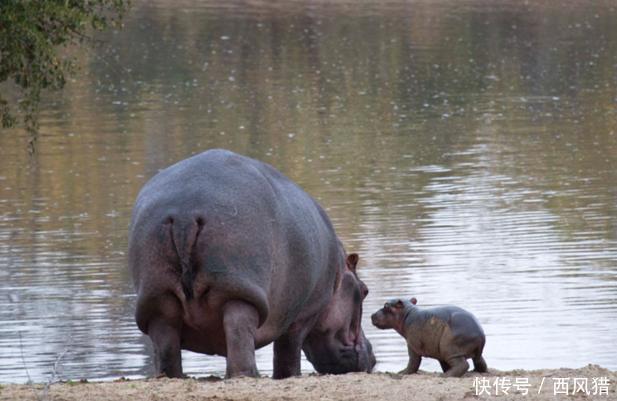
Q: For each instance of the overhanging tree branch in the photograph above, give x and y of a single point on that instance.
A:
(32, 33)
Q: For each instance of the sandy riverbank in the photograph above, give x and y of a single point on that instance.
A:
(357, 386)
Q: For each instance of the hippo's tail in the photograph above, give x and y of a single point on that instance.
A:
(184, 234)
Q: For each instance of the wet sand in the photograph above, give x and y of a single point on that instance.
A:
(550, 383)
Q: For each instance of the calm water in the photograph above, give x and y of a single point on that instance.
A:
(466, 149)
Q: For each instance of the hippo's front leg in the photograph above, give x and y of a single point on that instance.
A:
(240, 321)
(414, 362)
(287, 354)
(288, 349)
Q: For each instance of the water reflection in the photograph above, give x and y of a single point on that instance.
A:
(467, 151)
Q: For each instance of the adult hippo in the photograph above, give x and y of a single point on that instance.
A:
(228, 255)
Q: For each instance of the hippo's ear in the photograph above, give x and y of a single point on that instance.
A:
(413, 300)
(399, 304)
(352, 261)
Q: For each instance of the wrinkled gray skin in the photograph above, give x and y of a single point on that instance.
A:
(448, 333)
(228, 255)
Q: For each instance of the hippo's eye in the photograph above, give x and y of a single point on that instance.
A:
(386, 306)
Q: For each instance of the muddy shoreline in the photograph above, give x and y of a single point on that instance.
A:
(590, 382)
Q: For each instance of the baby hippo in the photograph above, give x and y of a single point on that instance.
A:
(448, 333)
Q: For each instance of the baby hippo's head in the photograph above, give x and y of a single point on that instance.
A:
(392, 314)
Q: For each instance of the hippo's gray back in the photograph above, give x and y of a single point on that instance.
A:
(260, 236)
(461, 322)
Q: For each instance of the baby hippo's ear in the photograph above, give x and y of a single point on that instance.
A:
(399, 304)
(413, 300)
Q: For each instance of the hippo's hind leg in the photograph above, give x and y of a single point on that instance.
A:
(458, 367)
(240, 321)
(444, 366)
(479, 364)
(166, 341)
(160, 318)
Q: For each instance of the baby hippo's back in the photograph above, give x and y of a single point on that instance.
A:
(463, 325)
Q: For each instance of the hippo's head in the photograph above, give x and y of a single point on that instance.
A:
(392, 315)
(337, 343)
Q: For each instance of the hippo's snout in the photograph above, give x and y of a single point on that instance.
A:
(366, 357)
(383, 320)
(372, 361)
(377, 320)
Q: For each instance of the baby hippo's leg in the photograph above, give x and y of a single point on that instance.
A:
(414, 363)
(479, 364)
(458, 367)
